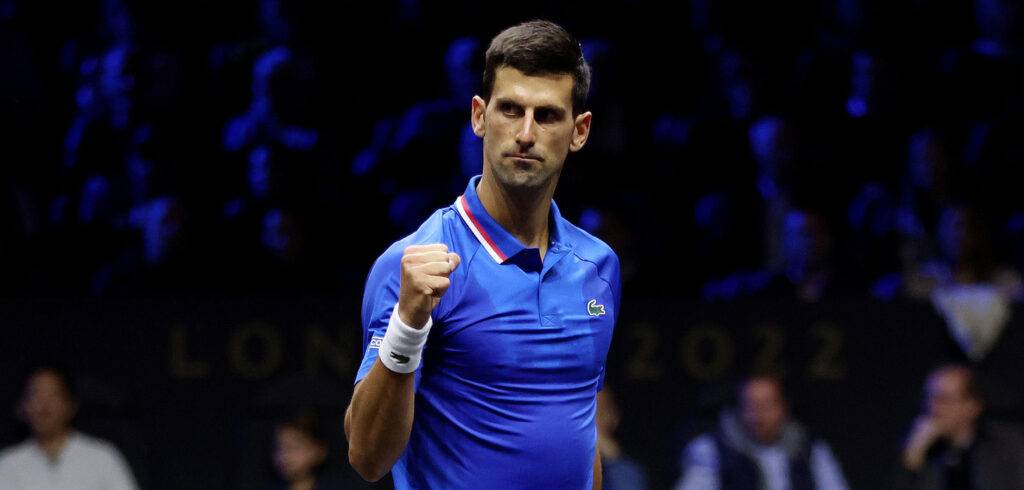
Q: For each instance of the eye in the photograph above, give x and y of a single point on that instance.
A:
(509, 108)
(547, 115)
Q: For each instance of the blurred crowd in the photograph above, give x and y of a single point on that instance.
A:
(756, 443)
(740, 149)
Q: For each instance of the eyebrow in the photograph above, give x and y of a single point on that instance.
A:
(553, 108)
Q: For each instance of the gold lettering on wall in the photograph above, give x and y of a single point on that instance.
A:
(827, 363)
(721, 349)
(321, 348)
(253, 367)
(768, 359)
(181, 365)
(642, 365)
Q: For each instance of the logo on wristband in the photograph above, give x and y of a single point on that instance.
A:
(398, 358)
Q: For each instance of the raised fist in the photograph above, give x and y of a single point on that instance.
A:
(425, 270)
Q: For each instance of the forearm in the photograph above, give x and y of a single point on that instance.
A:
(379, 420)
(914, 454)
(598, 476)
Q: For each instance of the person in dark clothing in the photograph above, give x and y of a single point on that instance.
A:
(299, 452)
(950, 446)
(759, 447)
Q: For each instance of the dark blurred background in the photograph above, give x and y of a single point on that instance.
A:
(192, 193)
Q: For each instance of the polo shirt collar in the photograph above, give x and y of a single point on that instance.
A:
(498, 242)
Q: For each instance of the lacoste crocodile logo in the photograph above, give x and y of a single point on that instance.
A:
(400, 359)
(595, 309)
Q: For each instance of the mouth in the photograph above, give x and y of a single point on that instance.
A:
(523, 157)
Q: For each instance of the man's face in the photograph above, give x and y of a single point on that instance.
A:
(948, 404)
(46, 407)
(528, 128)
(763, 410)
(295, 453)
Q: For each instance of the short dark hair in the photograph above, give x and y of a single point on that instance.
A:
(538, 47)
(307, 422)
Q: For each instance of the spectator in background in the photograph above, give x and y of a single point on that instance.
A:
(618, 471)
(773, 145)
(759, 447)
(926, 189)
(164, 261)
(964, 283)
(56, 456)
(807, 272)
(299, 452)
(433, 129)
(281, 105)
(950, 446)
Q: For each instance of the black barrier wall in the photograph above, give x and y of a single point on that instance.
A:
(189, 388)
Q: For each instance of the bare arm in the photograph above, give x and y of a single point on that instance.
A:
(922, 436)
(597, 470)
(379, 419)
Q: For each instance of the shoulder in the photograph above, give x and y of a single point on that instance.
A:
(820, 448)
(436, 229)
(702, 451)
(1005, 434)
(588, 247)
(96, 448)
(431, 231)
(10, 455)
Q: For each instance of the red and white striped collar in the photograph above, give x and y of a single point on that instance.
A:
(479, 231)
(496, 240)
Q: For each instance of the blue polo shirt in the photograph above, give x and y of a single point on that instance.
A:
(505, 395)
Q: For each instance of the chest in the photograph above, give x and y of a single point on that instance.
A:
(37, 471)
(513, 325)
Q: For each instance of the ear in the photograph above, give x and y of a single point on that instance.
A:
(581, 131)
(476, 117)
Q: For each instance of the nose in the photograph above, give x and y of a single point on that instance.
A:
(525, 137)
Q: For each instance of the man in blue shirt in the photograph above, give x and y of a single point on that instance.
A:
(486, 331)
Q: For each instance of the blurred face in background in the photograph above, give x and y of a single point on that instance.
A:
(951, 408)
(46, 405)
(296, 454)
(762, 409)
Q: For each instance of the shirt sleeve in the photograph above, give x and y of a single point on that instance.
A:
(382, 287)
(828, 475)
(612, 274)
(379, 300)
(700, 466)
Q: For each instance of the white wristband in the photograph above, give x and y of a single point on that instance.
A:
(402, 347)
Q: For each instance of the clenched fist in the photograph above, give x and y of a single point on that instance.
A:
(425, 270)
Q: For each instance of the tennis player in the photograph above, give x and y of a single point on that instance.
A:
(486, 331)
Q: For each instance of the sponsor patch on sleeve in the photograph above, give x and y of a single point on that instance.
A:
(375, 342)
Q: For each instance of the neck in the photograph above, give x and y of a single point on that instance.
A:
(524, 213)
(305, 482)
(52, 444)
